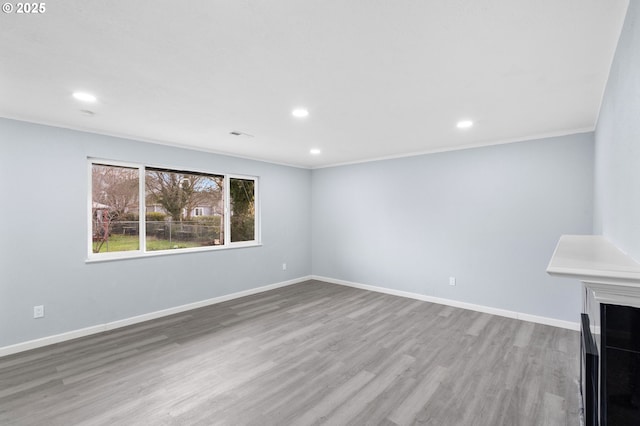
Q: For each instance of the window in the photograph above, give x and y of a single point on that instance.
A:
(181, 223)
(139, 210)
(243, 209)
(114, 208)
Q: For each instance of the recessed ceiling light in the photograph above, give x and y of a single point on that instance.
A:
(464, 124)
(300, 112)
(315, 151)
(84, 96)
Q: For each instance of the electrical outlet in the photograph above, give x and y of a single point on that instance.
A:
(452, 280)
(284, 266)
(38, 311)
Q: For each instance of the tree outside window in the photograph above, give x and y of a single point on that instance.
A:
(182, 209)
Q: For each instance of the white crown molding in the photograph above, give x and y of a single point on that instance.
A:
(488, 143)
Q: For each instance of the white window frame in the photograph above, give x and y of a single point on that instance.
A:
(142, 251)
(227, 211)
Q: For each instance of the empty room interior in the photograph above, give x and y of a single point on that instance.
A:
(303, 212)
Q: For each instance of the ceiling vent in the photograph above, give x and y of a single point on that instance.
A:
(242, 134)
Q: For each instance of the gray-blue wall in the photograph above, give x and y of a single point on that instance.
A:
(489, 216)
(617, 171)
(43, 235)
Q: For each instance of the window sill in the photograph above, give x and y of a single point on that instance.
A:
(115, 256)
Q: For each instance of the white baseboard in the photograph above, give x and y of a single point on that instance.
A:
(99, 328)
(470, 306)
(74, 334)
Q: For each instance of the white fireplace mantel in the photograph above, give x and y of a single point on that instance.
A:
(613, 276)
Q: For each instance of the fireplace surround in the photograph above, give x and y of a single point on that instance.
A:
(589, 372)
(609, 326)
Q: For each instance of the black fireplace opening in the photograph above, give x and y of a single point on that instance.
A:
(620, 370)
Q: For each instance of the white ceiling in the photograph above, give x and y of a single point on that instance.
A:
(379, 78)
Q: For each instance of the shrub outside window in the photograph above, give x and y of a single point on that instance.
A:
(243, 209)
(180, 210)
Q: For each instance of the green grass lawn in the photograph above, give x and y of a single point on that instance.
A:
(119, 242)
(154, 244)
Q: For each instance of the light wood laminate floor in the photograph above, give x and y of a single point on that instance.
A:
(311, 353)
